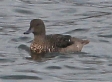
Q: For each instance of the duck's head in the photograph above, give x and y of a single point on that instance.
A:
(37, 27)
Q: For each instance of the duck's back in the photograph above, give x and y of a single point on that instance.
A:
(51, 43)
(58, 43)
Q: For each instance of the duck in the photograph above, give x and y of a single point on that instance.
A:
(43, 44)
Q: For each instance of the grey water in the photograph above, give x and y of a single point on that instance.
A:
(86, 19)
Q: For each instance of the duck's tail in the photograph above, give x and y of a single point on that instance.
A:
(85, 42)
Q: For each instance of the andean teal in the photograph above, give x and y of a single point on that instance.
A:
(43, 43)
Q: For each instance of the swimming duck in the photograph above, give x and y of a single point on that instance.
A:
(43, 43)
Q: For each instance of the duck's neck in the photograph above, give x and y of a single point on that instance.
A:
(39, 38)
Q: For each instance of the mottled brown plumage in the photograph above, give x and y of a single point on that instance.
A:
(43, 43)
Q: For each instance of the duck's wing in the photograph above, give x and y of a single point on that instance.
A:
(61, 41)
(64, 41)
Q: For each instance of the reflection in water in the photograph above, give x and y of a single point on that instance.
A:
(80, 18)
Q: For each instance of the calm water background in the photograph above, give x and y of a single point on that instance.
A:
(87, 19)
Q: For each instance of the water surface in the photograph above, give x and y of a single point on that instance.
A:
(86, 19)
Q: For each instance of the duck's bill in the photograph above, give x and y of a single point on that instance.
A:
(28, 31)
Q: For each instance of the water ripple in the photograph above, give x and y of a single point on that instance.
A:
(77, 30)
(53, 67)
(23, 11)
(20, 39)
(19, 77)
(105, 36)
